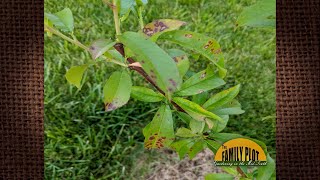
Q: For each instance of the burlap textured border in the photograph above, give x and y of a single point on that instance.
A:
(21, 89)
(298, 85)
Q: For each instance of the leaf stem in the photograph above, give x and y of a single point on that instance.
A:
(78, 43)
(140, 17)
(58, 33)
(116, 17)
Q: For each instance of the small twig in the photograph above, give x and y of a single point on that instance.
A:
(241, 172)
(120, 49)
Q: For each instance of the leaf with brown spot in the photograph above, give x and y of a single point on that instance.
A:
(117, 90)
(157, 63)
(199, 43)
(99, 47)
(159, 132)
(160, 26)
(181, 59)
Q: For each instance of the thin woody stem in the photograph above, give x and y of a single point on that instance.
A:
(120, 49)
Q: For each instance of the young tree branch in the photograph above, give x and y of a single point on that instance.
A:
(120, 49)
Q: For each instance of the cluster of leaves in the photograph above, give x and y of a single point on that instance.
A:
(204, 115)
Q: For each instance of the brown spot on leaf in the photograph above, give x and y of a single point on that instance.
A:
(188, 35)
(173, 83)
(151, 138)
(203, 75)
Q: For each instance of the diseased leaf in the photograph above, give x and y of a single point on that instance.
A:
(199, 43)
(196, 148)
(183, 146)
(117, 90)
(75, 73)
(196, 111)
(184, 132)
(99, 47)
(145, 94)
(261, 14)
(157, 63)
(218, 176)
(160, 132)
(233, 107)
(199, 83)
(160, 26)
(222, 98)
(265, 172)
(62, 19)
(196, 126)
(181, 59)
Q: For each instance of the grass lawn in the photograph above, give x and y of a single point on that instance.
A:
(84, 142)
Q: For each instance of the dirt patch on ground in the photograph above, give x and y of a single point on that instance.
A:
(174, 169)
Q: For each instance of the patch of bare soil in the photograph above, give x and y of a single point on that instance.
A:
(174, 169)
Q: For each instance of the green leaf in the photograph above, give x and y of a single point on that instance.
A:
(159, 133)
(261, 14)
(160, 26)
(196, 111)
(199, 43)
(117, 90)
(200, 98)
(155, 61)
(199, 83)
(183, 146)
(141, 2)
(62, 19)
(114, 54)
(125, 7)
(181, 59)
(145, 94)
(184, 132)
(196, 148)
(213, 145)
(184, 117)
(230, 170)
(233, 107)
(75, 73)
(222, 98)
(220, 125)
(196, 126)
(265, 172)
(218, 176)
(99, 47)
